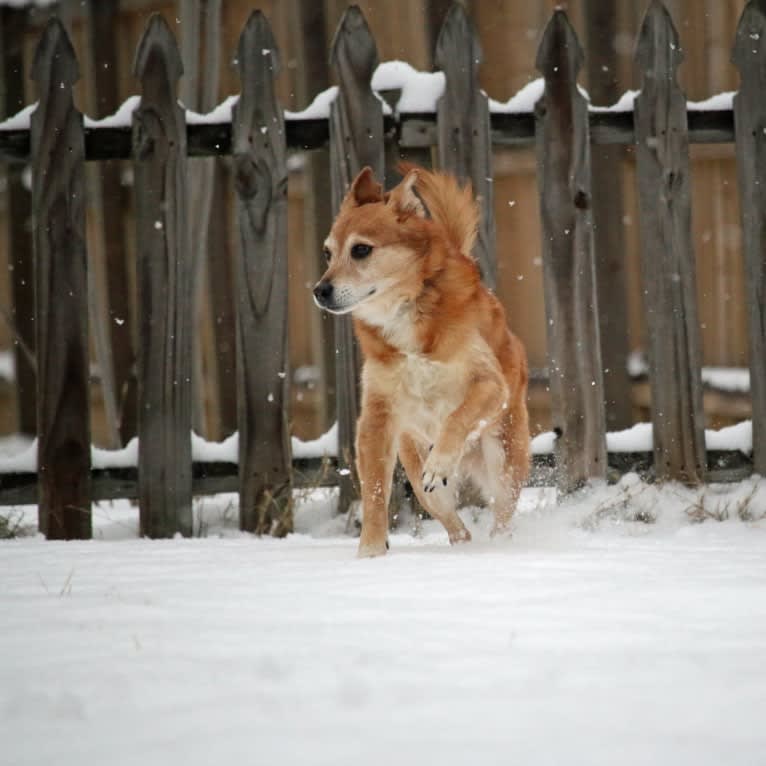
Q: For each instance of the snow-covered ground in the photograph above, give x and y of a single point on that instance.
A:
(611, 629)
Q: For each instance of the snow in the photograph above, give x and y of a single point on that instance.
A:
(7, 366)
(523, 100)
(221, 113)
(718, 102)
(587, 638)
(27, 3)
(638, 438)
(731, 379)
(420, 92)
(121, 118)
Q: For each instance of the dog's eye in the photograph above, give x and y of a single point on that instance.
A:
(360, 251)
(327, 254)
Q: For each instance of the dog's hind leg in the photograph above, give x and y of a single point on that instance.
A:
(506, 467)
(441, 502)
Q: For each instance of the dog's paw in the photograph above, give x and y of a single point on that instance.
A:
(436, 470)
(368, 550)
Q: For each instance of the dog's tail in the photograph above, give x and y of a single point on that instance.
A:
(450, 204)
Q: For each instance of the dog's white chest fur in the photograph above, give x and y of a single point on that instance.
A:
(427, 393)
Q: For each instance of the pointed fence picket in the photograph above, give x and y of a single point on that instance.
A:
(164, 289)
(569, 276)
(749, 55)
(356, 140)
(61, 292)
(357, 130)
(667, 258)
(265, 489)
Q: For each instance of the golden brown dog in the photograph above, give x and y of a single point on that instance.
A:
(444, 381)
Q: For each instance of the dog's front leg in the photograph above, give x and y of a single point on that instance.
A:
(376, 457)
(482, 404)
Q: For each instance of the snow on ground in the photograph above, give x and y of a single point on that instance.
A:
(609, 629)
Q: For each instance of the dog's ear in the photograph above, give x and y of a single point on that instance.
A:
(364, 189)
(404, 198)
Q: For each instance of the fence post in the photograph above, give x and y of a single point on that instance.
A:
(667, 259)
(164, 289)
(261, 184)
(574, 352)
(749, 55)
(356, 140)
(463, 130)
(61, 284)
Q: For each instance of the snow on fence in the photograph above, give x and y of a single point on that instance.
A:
(358, 125)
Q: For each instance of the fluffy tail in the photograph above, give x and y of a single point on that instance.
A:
(451, 205)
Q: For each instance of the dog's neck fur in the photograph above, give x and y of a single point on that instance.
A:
(414, 324)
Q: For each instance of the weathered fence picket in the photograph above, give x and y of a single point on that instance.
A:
(61, 292)
(265, 488)
(574, 353)
(462, 115)
(356, 140)
(667, 259)
(749, 55)
(164, 289)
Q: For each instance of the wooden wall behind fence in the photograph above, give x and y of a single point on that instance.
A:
(510, 33)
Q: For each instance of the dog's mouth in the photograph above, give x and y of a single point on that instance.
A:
(341, 306)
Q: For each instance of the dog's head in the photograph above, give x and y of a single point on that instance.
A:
(375, 248)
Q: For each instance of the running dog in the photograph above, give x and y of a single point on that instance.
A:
(444, 381)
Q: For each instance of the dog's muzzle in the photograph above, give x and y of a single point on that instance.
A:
(324, 294)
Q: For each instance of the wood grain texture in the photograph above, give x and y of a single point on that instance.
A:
(61, 287)
(12, 24)
(749, 56)
(574, 352)
(601, 27)
(119, 354)
(356, 140)
(463, 127)
(261, 183)
(667, 257)
(164, 289)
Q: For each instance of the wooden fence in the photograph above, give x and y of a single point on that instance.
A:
(358, 132)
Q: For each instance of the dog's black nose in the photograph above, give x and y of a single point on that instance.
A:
(323, 292)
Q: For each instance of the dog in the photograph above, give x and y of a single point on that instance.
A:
(444, 381)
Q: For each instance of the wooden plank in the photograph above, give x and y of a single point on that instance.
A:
(201, 19)
(164, 289)
(356, 140)
(61, 292)
(667, 257)
(309, 473)
(104, 15)
(312, 75)
(574, 353)
(222, 301)
(601, 24)
(749, 56)
(265, 497)
(12, 25)
(463, 130)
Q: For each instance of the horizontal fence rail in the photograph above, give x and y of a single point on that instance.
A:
(409, 131)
